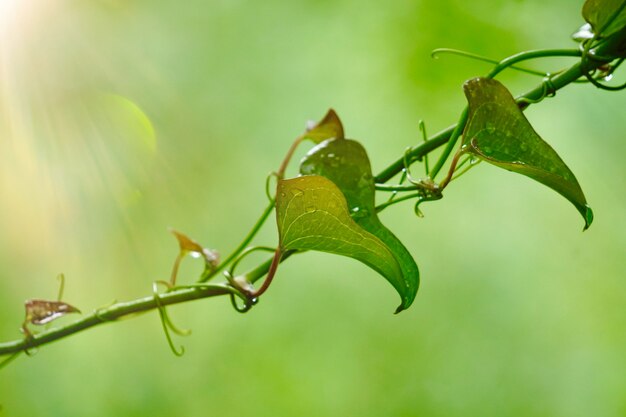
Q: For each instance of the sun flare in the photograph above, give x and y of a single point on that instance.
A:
(67, 143)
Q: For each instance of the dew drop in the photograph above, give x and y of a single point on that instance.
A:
(487, 150)
(310, 209)
(359, 213)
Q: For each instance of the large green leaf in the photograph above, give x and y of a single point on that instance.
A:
(606, 17)
(312, 214)
(499, 133)
(346, 164)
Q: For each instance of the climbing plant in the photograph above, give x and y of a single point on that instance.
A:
(333, 204)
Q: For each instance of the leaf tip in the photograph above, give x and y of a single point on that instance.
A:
(406, 303)
(588, 215)
(401, 308)
(72, 309)
(330, 127)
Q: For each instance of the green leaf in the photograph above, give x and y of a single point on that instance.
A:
(329, 127)
(499, 133)
(346, 164)
(606, 17)
(312, 214)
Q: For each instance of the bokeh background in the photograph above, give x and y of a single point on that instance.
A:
(119, 119)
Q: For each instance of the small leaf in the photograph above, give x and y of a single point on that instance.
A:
(598, 13)
(329, 127)
(312, 214)
(346, 164)
(187, 244)
(42, 311)
(499, 133)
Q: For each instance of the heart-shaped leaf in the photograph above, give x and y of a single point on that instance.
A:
(329, 127)
(312, 214)
(499, 133)
(346, 164)
(606, 17)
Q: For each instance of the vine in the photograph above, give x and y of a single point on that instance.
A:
(331, 206)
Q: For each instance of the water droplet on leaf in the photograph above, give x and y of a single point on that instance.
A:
(359, 213)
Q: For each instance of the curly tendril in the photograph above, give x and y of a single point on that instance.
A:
(166, 323)
(449, 51)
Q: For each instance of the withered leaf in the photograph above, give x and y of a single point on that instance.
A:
(42, 311)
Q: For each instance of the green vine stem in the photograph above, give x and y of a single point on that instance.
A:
(113, 313)
(454, 136)
(604, 53)
(396, 187)
(383, 206)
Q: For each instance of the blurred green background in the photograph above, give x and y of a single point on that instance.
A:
(119, 119)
